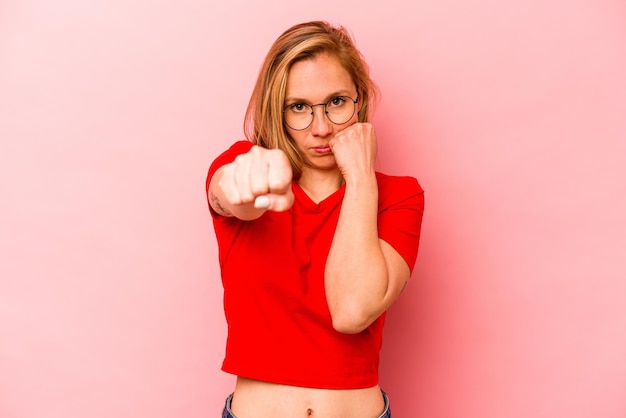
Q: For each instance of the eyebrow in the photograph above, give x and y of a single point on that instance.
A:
(344, 92)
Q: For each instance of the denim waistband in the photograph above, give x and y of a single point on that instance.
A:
(227, 413)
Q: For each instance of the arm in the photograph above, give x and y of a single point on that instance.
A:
(254, 182)
(364, 275)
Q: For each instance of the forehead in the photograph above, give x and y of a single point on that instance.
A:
(318, 77)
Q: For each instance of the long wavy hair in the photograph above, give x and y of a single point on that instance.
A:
(264, 122)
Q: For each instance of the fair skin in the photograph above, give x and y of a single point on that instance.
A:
(364, 275)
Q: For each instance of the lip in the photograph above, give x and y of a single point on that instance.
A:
(324, 149)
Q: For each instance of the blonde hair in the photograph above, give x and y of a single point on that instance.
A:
(264, 123)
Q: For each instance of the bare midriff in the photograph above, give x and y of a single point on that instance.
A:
(257, 399)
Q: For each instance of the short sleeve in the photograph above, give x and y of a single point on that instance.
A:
(400, 211)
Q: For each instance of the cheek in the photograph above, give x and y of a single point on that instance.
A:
(355, 119)
(297, 138)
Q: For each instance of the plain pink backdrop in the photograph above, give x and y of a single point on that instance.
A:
(511, 114)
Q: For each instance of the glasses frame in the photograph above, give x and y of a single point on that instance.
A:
(355, 101)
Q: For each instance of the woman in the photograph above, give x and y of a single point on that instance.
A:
(314, 244)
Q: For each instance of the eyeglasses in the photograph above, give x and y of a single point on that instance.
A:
(338, 110)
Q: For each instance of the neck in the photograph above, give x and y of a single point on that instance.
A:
(318, 185)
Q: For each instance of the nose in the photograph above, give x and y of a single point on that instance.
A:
(321, 125)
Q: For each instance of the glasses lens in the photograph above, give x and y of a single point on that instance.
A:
(298, 116)
(340, 109)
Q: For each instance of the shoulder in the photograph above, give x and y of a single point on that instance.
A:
(392, 189)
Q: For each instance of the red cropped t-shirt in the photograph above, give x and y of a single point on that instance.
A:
(279, 325)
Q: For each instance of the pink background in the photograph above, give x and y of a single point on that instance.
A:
(511, 114)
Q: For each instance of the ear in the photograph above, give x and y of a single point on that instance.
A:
(359, 104)
(359, 107)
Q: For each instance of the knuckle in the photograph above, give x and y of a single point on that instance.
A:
(239, 159)
(231, 197)
(276, 183)
(258, 188)
(246, 197)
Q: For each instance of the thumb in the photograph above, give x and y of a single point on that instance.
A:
(275, 202)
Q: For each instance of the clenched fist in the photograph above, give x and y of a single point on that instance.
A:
(355, 149)
(255, 181)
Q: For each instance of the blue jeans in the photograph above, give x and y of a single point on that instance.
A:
(227, 413)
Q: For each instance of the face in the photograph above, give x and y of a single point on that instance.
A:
(315, 81)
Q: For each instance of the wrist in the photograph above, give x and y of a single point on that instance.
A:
(362, 186)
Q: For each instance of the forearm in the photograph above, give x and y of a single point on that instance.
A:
(356, 276)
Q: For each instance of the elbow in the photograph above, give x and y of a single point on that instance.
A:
(350, 322)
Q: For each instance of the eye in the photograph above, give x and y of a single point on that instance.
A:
(336, 101)
(298, 107)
